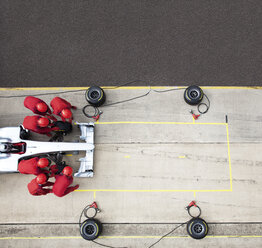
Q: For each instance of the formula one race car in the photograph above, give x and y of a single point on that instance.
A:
(14, 146)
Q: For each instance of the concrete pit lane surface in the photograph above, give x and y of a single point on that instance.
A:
(151, 159)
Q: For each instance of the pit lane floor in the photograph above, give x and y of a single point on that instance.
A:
(151, 160)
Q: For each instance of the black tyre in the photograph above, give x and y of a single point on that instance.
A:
(193, 95)
(65, 127)
(90, 229)
(197, 228)
(95, 96)
(24, 134)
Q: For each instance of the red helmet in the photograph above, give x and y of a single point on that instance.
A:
(67, 171)
(41, 107)
(43, 162)
(43, 122)
(66, 113)
(41, 178)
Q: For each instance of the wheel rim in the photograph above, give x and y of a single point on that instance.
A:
(94, 94)
(194, 94)
(198, 228)
(89, 230)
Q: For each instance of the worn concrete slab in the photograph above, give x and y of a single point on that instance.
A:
(127, 230)
(141, 242)
(161, 167)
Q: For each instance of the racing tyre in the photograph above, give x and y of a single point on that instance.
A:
(197, 228)
(90, 229)
(193, 95)
(24, 134)
(65, 127)
(95, 96)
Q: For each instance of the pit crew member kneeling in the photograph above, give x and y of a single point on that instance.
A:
(62, 108)
(38, 185)
(39, 124)
(38, 106)
(63, 180)
(33, 166)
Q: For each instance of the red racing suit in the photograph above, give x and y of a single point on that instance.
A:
(60, 187)
(37, 189)
(58, 104)
(31, 102)
(30, 123)
(29, 166)
(53, 170)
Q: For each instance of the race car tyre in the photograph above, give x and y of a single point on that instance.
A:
(90, 229)
(65, 127)
(95, 96)
(197, 228)
(193, 95)
(24, 134)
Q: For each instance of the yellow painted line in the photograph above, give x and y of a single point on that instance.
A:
(128, 88)
(194, 121)
(142, 87)
(182, 156)
(143, 237)
(94, 194)
(158, 123)
(154, 190)
(167, 123)
(85, 88)
(130, 237)
(127, 156)
(44, 88)
(229, 159)
(69, 155)
(62, 237)
(234, 236)
(232, 87)
(179, 237)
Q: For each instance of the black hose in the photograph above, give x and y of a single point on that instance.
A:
(79, 223)
(167, 234)
(207, 106)
(98, 112)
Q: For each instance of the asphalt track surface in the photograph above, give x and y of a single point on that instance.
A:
(161, 42)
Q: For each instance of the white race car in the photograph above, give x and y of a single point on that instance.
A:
(13, 147)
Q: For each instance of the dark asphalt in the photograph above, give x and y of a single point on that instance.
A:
(76, 43)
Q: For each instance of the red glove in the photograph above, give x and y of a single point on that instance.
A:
(53, 170)
(76, 187)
